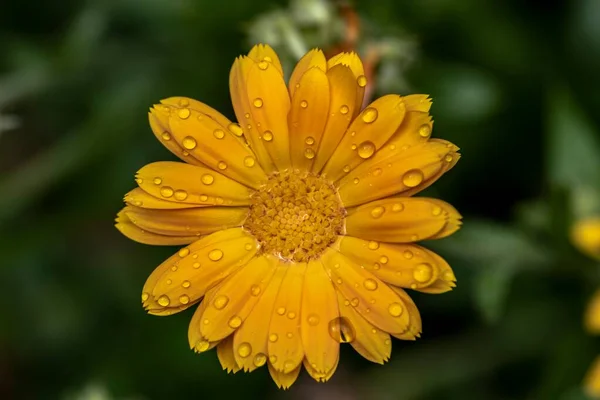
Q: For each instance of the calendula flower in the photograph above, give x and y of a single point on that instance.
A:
(298, 222)
(585, 235)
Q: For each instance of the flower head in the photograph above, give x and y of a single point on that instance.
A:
(297, 222)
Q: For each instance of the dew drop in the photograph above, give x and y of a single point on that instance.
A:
(370, 284)
(313, 319)
(436, 211)
(310, 141)
(366, 149)
(258, 102)
(373, 245)
(412, 178)
(273, 337)
(341, 329)
(423, 273)
(219, 133)
(203, 197)
(425, 130)
(267, 59)
(202, 345)
(164, 300)
(222, 165)
(244, 350)
(184, 102)
(186, 284)
(273, 359)
(184, 252)
(184, 113)
(235, 129)
(215, 255)
(267, 136)
(289, 335)
(208, 179)
(145, 296)
(377, 172)
(157, 181)
(288, 366)
(369, 115)
(397, 207)
(235, 322)
(166, 191)
(281, 310)
(184, 299)
(249, 161)
(408, 254)
(309, 153)
(304, 104)
(263, 65)
(180, 195)
(354, 302)
(196, 265)
(395, 309)
(189, 143)
(166, 136)
(355, 181)
(248, 246)
(377, 212)
(291, 315)
(346, 168)
(260, 359)
(344, 109)
(448, 158)
(362, 81)
(169, 281)
(255, 290)
(383, 260)
(220, 302)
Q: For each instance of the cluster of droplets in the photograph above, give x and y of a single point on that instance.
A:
(296, 216)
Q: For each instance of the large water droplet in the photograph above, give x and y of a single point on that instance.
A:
(425, 130)
(235, 129)
(219, 133)
(235, 322)
(189, 143)
(258, 102)
(249, 161)
(366, 149)
(180, 195)
(370, 284)
(157, 181)
(267, 136)
(260, 359)
(208, 179)
(215, 255)
(244, 350)
(166, 191)
(309, 153)
(310, 141)
(383, 260)
(184, 252)
(184, 299)
(344, 109)
(362, 81)
(220, 302)
(202, 345)
(166, 136)
(377, 212)
(164, 300)
(412, 178)
(341, 329)
(369, 115)
(395, 309)
(184, 113)
(186, 284)
(423, 273)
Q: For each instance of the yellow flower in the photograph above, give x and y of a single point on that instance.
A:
(585, 235)
(298, 222)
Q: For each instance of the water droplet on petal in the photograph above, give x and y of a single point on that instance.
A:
(157, 181)
(166, 191)
(273, 337)
(267, 136)
(258, 102)
(164, 300)
(436, 211)
(366, 149)
(184, 252)
(304, 104)
(248, 246)
(207, 179)
(395, 309)
(189, 142)
(412, 178)
(383, 260)
(362, 81)
(288, 366)
(289, 335)
(425, 130)
(310, 141)
(215, 255)
(220, 302)
(346, 168)
(145, 296)
(423, 273)
(448, 158)
(249, 161)
(202, 345)
(180, 195)
(370, 284)
(344, 109)
(219, 133)
(186, 284)
(184, 113)
(184, 299)
(341, 329)
(203, 197)
(355, 302)
(355, 181)
(313, 319)
(369, 115)
(184, 102)
(235, 129)
(222, 165)
(169, 281)
(373, 245)
(235, 322)
(260, 359)
(377, 172)
(408, 254)
(397, 207)
(309, 153)
(291, 315)
(263, 65)
(166, 136)
(196, 265)
(255, 290)
(281, 310)
(377, 212)
(244, 350)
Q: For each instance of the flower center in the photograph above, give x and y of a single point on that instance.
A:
(296, 216)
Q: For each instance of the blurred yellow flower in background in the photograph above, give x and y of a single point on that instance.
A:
(299, 222)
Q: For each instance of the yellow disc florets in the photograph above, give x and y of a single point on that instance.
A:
(296, 216)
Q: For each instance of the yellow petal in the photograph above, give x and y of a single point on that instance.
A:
(592, 314)
(403, 265)
(314, 58)
(139, 198)
(239, 97)
(183, 183)
(159, 122)
(255, 329)
(197, 342)
(133, 232)
(308, 116)
(403, 220)
(370, 297)
(264, 52)
(191, 221)
(417, 102)
(269, 103)
(585, 235)
(233, 301)
(415, 326)
(320, 376)
(367, 133)
(352, 60)
(395, 175)
(284, 380)
(370, 342)
(592, 380)
(285, 341)
(319, 306)
(342, 104)
(215, 146)
(185, 277)
(226, 355)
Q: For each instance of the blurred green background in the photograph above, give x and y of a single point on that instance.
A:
(515, 84)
